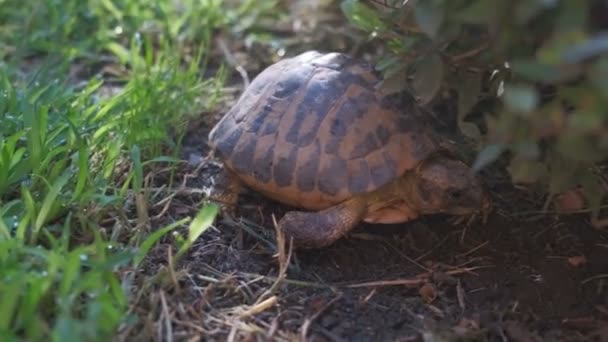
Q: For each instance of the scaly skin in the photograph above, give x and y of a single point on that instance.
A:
(322, 228)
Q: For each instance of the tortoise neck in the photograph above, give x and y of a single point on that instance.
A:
(406, 185)
(400, 189)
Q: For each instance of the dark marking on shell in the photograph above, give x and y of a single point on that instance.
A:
(359, 179)
(271, 126)
(284, 167)
(227, 143)
(306, 174)
(338, 127)
(364, 147)
(332, 146)
(260, 118)
(349, 110)
(314, 103)
(332, 177)
(243, 156)
(382, 134)
(319, 98)
(321, 94)
(262, 167)
(382, 174)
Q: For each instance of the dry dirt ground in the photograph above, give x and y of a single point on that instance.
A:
(523, 276)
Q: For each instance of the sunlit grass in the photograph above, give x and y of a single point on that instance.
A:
(85, 29)
(70, 158)
(59, 153)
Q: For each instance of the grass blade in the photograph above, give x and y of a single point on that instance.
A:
(203, 220)
(138, 178)
(144, 248)
(49, 200)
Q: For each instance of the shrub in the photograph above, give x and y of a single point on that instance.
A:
(536, 70)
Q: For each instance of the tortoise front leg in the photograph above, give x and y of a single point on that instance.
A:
(226, 191)
(322, 228)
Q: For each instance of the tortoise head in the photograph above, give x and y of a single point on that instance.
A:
(446, 185)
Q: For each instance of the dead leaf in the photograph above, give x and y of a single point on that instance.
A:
(577, 260)
(316, 303)
(570, 200)
(428, 293)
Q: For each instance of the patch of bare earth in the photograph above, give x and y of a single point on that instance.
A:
(520, 277)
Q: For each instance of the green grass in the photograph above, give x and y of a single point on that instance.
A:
(70, 158)
(84, 28)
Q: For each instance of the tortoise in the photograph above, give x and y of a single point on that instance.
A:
(313, 132)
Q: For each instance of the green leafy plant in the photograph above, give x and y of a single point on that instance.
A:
(58, 166)
(70, 156)
(94, 97)
(534, 69)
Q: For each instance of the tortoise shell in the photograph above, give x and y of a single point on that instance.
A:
(313, 130)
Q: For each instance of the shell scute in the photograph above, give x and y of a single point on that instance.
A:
(319, 96)
(262, 166)
(359, 177)
(381, 172)
(338, 127)
(286, 161)
(331, 176)
(261, 118)
(228, 139)
(307, 170)
(332, 145)
(243, 156)
(365, 146)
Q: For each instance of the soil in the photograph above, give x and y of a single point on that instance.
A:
(520, 277)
